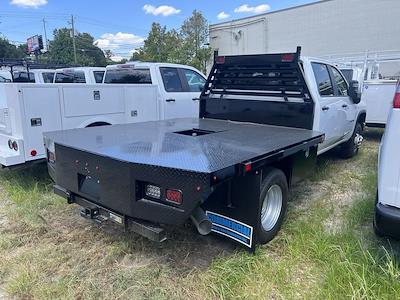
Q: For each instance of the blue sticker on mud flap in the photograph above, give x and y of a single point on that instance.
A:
(231, 228)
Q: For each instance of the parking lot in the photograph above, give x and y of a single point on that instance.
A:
(326, 249)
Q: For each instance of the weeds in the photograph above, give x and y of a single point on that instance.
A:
(47, 252)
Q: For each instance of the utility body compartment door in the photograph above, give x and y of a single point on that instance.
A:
(42, 114)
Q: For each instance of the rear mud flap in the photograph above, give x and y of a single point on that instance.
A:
(237, 216)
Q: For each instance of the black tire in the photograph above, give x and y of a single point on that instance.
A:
(273, 177)
(350, 149)
(97, 124)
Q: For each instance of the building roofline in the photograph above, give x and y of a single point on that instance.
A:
(269, 13)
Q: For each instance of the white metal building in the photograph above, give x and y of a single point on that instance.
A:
(322, 28)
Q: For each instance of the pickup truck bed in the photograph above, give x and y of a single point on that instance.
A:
(218, 144)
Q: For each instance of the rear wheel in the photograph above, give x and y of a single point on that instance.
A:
(273, 201)
(351, 147)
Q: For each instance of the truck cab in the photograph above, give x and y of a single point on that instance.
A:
(87, 75)
(34, 76)
(178, 86)
(339, 112)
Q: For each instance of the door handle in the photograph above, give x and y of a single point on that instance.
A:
(196, 99)
(324, 108)
(345, 106)
(170, 100)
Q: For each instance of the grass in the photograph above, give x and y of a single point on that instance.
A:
(325, 250)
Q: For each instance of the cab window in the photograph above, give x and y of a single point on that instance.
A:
(323, 79)
(79, 77)
(24, 77)
(340, 82)
(194, 80)
(48, 77)
(98, 76)
(128, 76)
(171, 79)
(64, 77)
(70, 77)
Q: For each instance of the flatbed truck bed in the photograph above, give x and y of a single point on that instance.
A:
(217, 172)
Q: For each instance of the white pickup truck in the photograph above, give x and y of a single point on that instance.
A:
(150, 91)
(88, 75)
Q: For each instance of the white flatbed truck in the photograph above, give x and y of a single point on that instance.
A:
(262, 121)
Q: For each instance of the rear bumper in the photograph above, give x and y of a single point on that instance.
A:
(387, 220)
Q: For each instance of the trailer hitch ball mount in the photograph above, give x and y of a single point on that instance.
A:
(89, 213)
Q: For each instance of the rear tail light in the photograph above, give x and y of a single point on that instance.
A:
(396, 100)
(287, 58)
(33, 152)
(51, 157)
(174, 196)
(153, 191)
(15, 145)
(220, 59)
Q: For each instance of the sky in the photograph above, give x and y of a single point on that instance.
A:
(120, 25)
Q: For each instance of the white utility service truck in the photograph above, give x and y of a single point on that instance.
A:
(150, 91)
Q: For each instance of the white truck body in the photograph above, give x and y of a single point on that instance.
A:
(28, 110)
(387, 210)
(378, 95)
(380, 72)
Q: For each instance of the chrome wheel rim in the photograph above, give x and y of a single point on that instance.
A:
(358, 139)
(271, 207)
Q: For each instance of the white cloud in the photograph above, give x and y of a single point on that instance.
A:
(222, 15)
(245, 8)
(29, 3)
(119, 42)
(164, 10)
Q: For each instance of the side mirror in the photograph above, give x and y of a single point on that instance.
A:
(354, 91)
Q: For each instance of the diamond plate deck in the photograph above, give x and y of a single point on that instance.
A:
(157, 143)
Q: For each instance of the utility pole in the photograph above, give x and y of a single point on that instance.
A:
(73, 37)
(45, 34)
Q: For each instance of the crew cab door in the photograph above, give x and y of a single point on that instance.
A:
(182, 88)
(347, 108)
(331, 115)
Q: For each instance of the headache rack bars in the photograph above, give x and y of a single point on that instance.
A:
(270, 75)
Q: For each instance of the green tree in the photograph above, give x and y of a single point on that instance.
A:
(187, 46)
(61, 49)
(8, 50)
(161, 45)
(194, 32)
